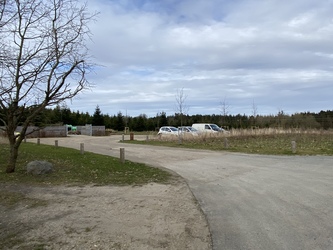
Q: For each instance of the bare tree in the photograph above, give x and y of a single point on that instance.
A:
(44, 61)
(254, 113)
(224, 108)
(181, 107)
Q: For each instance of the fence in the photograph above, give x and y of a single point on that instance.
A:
(60, 131)
(50, 131)
(90, 130)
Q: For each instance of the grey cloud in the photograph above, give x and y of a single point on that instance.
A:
(276, 53)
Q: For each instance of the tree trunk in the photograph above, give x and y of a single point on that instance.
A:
(12, 158)
(14, 144)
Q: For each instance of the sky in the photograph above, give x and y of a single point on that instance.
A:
(232, 56)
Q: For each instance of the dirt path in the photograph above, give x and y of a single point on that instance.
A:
(153, 216)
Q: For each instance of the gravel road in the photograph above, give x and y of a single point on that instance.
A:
(250, 201)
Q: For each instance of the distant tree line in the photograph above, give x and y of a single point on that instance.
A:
(63, 115)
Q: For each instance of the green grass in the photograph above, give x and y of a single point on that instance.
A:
(274, 144)
(73, 168)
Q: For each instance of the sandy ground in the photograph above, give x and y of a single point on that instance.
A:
(153, 216)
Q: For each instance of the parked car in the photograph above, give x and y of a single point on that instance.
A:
(188, 130)
(207, 128)
(168, 130)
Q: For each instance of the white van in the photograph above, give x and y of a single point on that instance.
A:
(207, 127)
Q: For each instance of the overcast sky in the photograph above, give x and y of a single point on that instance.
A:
(262, 55)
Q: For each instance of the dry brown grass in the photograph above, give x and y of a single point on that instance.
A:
(260, 141)
(242, 133)
(277, 131)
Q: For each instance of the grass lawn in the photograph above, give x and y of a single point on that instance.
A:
(73, 168)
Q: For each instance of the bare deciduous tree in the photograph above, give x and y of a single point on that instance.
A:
(181, 107)
(254, 112)
(224, 107)
(254, 109)
(44, 60)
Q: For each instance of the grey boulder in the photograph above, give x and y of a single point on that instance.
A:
(39, 167)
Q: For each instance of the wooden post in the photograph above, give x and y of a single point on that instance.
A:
(147, 138)
(122, 155)
(38, 141)
(122, 137)
(56, 143)
(226, 143)
(293, 146)
(82, 148)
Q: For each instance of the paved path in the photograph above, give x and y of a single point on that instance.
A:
(251, 201)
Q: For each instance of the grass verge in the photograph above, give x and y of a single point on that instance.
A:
(273, 144)
(70, 169)
(73, 168)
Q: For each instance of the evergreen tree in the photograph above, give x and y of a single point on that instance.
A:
(120, 125)
(141, 123)
(66, 116)
(97, 119)
(163, 120)
(56, 117)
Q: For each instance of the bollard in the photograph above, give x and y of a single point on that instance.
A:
(180, 138)
(122, 138)
(38, 141)
(56, 143)
(226, 143)
(122, 155)
(147, 138)
(131, 136)
(82, 148)
(293, 146)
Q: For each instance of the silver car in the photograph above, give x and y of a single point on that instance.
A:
(188, 130)
(168, 130)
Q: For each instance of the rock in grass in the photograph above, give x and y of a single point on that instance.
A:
(39, 167)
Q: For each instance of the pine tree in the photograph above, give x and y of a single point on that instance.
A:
(97, 119)
(120, 125)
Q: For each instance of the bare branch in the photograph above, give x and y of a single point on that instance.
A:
(181, 107)
(180, 101)
(224, 108)
(254, 109)
(43, 54)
